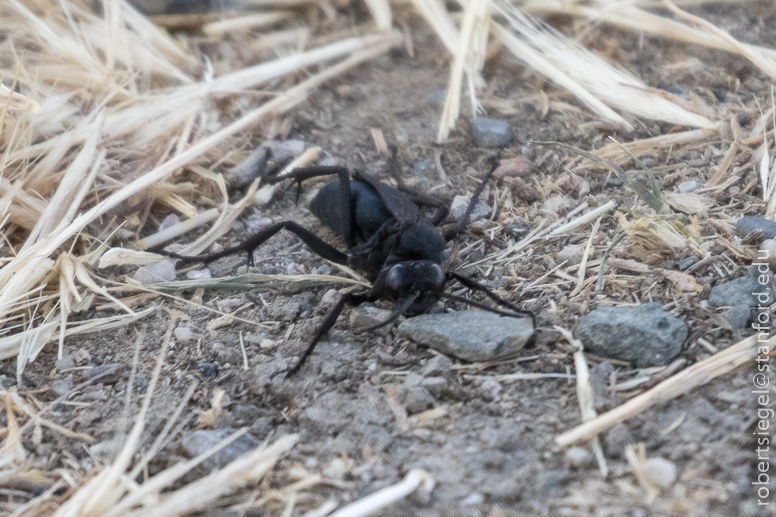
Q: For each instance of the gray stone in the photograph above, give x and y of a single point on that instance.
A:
(163, 271)
(744, 290)
(571, 255)
(469, 335)
(437, 365)
(67, 362)
(170, 220)
(435, 385)
(367, 315)
(461, 203)
(738, 316)
(644, 335)
(687, 187)
(418, 399)
(491, 133)
(198, 442)
(745, 225)
(62, 386)
(689, 261)
(616, 439)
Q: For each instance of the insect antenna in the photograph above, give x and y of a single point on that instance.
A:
(405, 304)
(464, 222)
(485, 307)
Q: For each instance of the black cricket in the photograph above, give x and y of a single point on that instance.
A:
(398, 249)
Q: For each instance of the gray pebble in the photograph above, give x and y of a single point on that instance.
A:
(744, 290)
(198, 442)
(571, 255)
(461, 203)
(67, 362)
(367, 315)
(435, 385)
(469, 335)
(163, 271)
(491, 133)
(689, 261)
(687, 187)
(616, 439)
(418, 399)
(644, 335)
(738, 316)
(437, 365)
(62, 386)
(750, 224)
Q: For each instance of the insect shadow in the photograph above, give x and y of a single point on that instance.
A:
(387, 238)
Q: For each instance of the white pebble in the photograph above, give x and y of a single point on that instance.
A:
(571, 255)
(163, 271)
(660, 471)
(267, 343)
(199, 274)
(183, 334)
(330, 296)
(578, 457)
(170, 220)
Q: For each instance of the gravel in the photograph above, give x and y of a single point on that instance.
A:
(644, 335)
(163, 271)
(745, 225)
(744, 290)
(571, 255)
(469, 335)
(491, 133)
(198, 442)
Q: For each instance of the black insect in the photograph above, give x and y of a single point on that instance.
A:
(387, 238)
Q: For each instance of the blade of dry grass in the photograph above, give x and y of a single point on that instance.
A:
(686, 380)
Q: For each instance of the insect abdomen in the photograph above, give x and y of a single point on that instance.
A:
(369, 211)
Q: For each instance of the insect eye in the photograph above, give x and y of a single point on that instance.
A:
(439, 275)
(394, 278)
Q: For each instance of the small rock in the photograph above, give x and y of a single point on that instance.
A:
(745, 225)
(613, 183)
(183, 334)
(461, 203)
(687, 186)
(768, 247)
(208, 370)
(644, 335)
(67, 362)
(330, 297)
(744, 290)
(490, 389)
(107, 449)
(435, 385)
(199, 274)
(469, 335)
(689, 261)
(516, 231)
(268, 343)
(491, 133)
(141, 382)
(616, 439)
(571, 255)
(600, 376)
(437, 365)
(163, 271)
(62, 386)
(738, 316)
(511, 167)
(323, 269)
(660, 471)
(82, 356)
(578, 457)
(554, 204)
(110, 378)
(170, 220)
(743, 119)
(199, 442)
(418, 399)
(367, 315)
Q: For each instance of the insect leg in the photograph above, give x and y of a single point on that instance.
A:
(328, 323)
(476, 286)
(315, 243)
(464, 222)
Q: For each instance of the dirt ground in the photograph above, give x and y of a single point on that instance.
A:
(491, 449)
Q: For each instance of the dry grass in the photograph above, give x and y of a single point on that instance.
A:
(104, 117)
